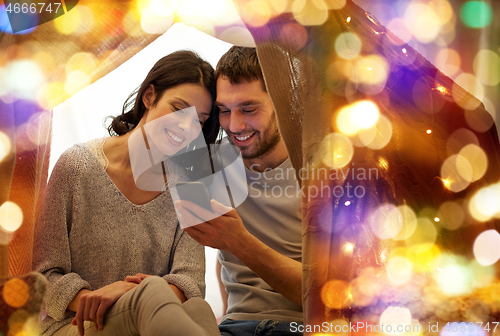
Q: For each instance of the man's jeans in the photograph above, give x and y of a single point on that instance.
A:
(258, 328)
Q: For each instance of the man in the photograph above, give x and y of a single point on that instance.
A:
(260, 241)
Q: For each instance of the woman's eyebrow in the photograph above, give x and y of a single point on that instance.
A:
(183, 101)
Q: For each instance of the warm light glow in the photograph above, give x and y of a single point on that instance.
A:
(471, 84)
(477, 159)
(16, 293)
(400, 270)
(5, 146)
(239, 36)
(385, 222)
(422, 22)
(11, 216)
(486, 248)
(428, 131)
(450, 175)
(383, 134)
(443, 10)
(485, 203)
(76, 81)
(23, 78)
(348, 247)
(347, 203)
(487, 67)
(348, 45)
(408, 219)
(451, 215)
(157, 18)
(371, 70)
(448, 61)
(310, 12)
(423, 238)
(425, 262)
(82, 61)
(68, 23)
(335, 294)
(453, 275)
(256, 13)
(337, 150)
(395, 316)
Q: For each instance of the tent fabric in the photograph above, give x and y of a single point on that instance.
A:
(416, 98)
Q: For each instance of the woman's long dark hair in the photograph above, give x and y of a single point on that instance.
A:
(179, 67)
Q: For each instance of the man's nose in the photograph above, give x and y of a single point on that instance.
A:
(236, 122)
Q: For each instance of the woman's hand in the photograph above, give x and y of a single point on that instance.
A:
(139, 277)
(93, 305)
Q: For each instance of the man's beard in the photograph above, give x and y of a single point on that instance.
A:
(267, 141)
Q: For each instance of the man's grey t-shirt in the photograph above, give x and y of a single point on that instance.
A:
(272, 213)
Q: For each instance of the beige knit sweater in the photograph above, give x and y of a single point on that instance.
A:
(89, 235)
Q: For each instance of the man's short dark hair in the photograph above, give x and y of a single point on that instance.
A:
(239, 64)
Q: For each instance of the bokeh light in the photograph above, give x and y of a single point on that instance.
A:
(485, 203)
(360, 115)
(22, 78)
(394, 316)
(68, 23)
(5, 146)
(310, 13)
(257, 13)
(476, 14)
(337, 150)
(82, 61)
(450, 175)
(76, 81)
(294, 34)
(372, 70)
(443, 10)
(424, 262)
(487, 67)
(486, 248)
(408, 219)
(383, 134)
(422, 22)
(335, 294)
(239, 36)
(11, 216)
(348, 45)
(386, 221)
(16, 292)
(471, 84)
(400, 270)
(477, 159)
(157, 18)
(453, 275)
(451, 215)
(423, 238)
(448, 61)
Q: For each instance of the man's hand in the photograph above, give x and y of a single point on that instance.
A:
(94, 304)
(225, 232)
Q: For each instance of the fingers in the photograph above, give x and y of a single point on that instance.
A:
(103, 307)
(79, 315)
(93, 310)
(220, 208)
(134, 279)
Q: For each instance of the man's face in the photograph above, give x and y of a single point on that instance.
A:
(247, 116)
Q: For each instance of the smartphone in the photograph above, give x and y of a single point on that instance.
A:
(195, 192)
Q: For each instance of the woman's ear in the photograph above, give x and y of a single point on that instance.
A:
(149, 96)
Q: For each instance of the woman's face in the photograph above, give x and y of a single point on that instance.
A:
(177, 118)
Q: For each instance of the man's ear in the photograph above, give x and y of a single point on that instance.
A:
(148, 97)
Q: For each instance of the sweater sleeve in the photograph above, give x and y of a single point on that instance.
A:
(188, 267)
(51, 255)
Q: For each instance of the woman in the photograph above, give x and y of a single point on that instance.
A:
(112, 252)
